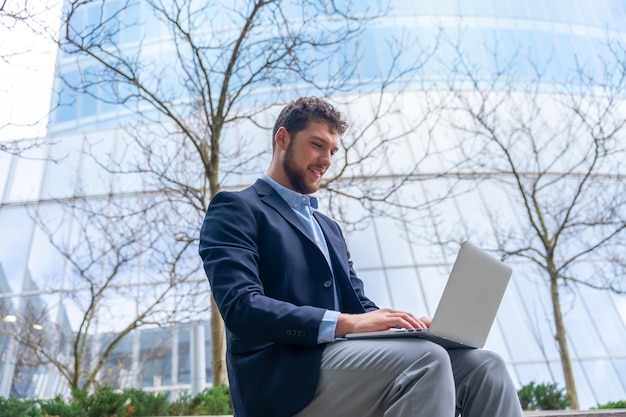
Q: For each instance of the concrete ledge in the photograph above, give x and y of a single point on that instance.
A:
(554, 413)
(577, 413)
(551, 413)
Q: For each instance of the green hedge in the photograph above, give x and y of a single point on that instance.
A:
(611, 405)
(544, 396)
(109, 402)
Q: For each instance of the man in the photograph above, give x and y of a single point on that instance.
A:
(283, 280)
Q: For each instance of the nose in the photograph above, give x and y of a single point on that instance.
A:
(326, 157)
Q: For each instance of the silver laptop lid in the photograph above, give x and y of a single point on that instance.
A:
(471, 297)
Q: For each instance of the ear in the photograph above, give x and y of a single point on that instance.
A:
(281, 138)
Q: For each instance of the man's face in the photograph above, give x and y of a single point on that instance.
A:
(308, 155)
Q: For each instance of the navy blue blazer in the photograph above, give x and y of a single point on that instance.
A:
(272, 285)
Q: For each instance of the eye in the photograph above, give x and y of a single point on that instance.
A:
(317, 145)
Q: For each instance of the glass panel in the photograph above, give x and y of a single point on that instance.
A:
(554, 9)
(118, 365)
(434, 281)
(67, 99)
(556, 369)
(16, 229)
(93, 179)
(61, 173)
(8, 320)
(27, 176)
(76, 25)
(568, 11)
(156, 358)
(519, 42)
(583, 343)
(93, 16)
(475, 7)
(405, 291)
(5, 165)
(184, 356)
(446, 7)
(518, 334)
(244, 155)
(88, 102)
(538, 307)
(151, 25)
(207, 350)
(620, 366)
(369, 64)
(107, 96)
(519, 8)
(565, 54)
(112, 18)
(393, 244)
(423, 7)
(470, 208)
(131, 158)
(612, 328)
(496, 341)
(72, 313)
(537, 372)
(363, 248)
(586, 396)
(540, 48)
(604, 380)
(184, 361)
(501, 8)
(604, 15)
(538, 10)
(620, 303)
(586, 56)
(617, 9)
(45, 263)
(376, 287)
(588, 15)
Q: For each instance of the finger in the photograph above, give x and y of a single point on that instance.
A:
(426, 320)
(410, 322)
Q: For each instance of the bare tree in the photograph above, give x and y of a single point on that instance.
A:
(230, 66)
(555, 147)
(108, 293)
(31, 14)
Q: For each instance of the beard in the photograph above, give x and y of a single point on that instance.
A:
(297, 177)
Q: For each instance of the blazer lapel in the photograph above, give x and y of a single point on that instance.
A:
(270, 197)
(335, 243)
(348, 299)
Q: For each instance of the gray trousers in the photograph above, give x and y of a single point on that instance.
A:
(411, 378)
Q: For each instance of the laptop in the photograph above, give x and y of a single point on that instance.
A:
(468, 305)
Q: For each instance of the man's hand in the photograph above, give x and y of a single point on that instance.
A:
(382, 319)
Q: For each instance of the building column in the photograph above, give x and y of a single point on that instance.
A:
(198, 359)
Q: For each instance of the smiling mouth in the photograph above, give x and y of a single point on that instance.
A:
(318, 172)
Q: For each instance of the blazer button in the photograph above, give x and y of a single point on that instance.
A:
(328, 283)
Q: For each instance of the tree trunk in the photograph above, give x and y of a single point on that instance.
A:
(561, 338)
(218, 347)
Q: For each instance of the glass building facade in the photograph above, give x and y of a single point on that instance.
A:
(403, 256)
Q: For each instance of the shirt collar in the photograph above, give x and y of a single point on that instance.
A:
(294, 199)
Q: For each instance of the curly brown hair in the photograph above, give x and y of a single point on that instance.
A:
(297, 115)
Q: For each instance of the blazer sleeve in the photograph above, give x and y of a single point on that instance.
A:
(230, 253)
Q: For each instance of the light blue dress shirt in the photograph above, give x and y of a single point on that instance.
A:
(304, 206)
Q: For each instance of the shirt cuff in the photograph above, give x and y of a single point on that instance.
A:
(326, 332)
